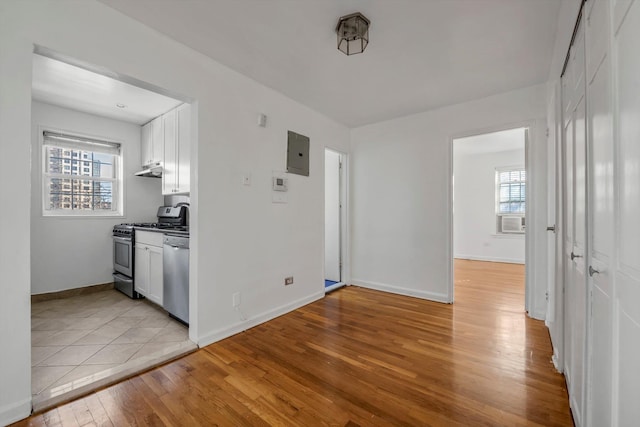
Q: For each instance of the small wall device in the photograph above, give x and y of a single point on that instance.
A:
(279, 183)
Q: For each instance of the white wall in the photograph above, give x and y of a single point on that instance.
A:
(401, 187)
(474, 208)
(73, 252)
(240, 241)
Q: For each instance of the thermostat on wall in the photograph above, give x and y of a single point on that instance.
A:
(279, 183)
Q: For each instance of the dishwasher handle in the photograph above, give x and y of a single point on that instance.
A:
(176, 242)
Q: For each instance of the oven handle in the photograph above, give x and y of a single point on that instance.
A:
(122, 239)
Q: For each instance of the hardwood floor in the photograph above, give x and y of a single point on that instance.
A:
(357, 357)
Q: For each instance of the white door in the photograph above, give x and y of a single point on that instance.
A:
(573, 83)
(626, 305)
(601, 214)
(332, 252)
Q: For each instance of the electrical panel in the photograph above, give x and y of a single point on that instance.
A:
(297, 153)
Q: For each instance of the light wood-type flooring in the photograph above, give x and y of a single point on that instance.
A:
(357, 358)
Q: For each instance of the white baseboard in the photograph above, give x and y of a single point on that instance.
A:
(538, 315)
(431, 296)
(556, 363)
(334, 287)
(15, 411)
(490, 259)
(226, 332)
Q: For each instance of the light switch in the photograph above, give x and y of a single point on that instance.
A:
(246, 179)
(279, 197)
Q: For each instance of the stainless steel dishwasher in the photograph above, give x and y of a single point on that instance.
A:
(175, 274)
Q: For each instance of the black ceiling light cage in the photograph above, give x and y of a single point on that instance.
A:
(353, 33)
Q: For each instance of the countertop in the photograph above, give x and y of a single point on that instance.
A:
(181, 233)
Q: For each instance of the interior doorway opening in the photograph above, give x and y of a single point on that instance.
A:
(333, 220)
(89, 326)
(490, 208)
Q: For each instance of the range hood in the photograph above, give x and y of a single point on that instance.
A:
(154, 170)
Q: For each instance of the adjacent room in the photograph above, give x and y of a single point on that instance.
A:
(101, 186)
(337, 212)
(489, 210)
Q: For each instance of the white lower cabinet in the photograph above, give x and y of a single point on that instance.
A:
(148, 265)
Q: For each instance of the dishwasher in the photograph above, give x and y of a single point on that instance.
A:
(175, 275)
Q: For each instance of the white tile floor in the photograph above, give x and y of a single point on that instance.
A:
(85, 342)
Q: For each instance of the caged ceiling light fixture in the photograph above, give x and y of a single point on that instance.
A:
(353, 33)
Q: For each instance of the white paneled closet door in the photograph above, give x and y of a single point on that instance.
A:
(601, 212)
(575, 221)
(626, 294)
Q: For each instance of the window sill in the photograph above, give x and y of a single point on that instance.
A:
(84, 216)
(514, 236)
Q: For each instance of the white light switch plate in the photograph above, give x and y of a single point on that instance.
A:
(279, 197)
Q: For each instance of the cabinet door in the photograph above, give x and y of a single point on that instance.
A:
(157, 140)
(145, 144)
(155, 274)
(141, 275)
(169, 173)
(184, 148)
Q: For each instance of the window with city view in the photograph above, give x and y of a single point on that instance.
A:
(80, 176)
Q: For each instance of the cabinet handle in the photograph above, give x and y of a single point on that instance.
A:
(593, 271)
(574, 256)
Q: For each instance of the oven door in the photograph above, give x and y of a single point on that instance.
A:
(123, 255)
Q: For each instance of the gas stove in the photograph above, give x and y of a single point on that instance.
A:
(169, 218)
(127, 228)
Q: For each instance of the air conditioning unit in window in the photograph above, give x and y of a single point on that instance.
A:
(512, 224)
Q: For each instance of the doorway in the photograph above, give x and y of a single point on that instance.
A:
(333, 219)
(87, 145)
(490, 206)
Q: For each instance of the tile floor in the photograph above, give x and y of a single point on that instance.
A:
(85, 342)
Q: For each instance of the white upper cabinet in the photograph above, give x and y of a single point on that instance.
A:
(145, 145)
(169, 171)
(152, 142)
(177, 133)
(157, 146)
(184, 148)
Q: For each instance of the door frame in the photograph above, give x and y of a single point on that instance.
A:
(345, 251)
(530, 129)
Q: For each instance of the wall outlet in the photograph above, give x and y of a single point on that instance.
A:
(288, 280)
(236, 300)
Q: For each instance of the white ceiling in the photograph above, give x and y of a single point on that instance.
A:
(506, 140)
(59, 83)
(422, 54)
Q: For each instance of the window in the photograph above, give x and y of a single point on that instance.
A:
(511, 191)
(92, 188)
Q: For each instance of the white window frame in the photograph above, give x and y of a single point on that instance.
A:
(499, 214)
(78, 141)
